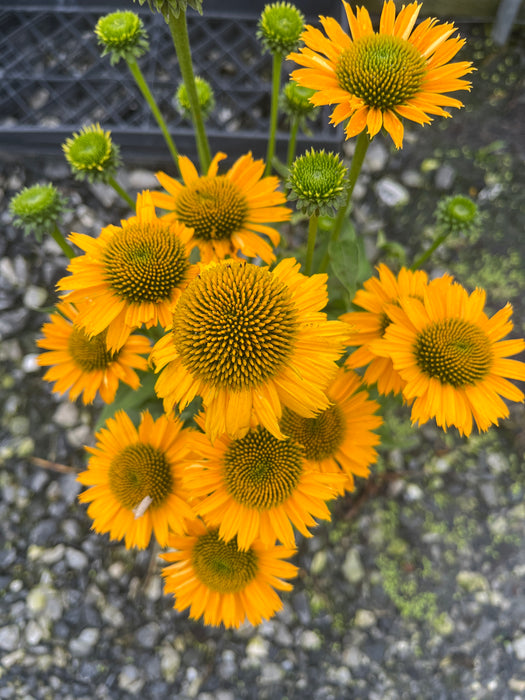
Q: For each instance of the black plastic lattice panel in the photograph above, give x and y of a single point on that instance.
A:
(53, 81)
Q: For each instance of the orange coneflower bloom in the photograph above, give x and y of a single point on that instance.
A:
(218, 581)
(370, 324)
(226, 212)
(132, 274)
(340, 439)
(375, 78)
(258, 487)
(249, 341)
(135, 480)
(452, 356)
(83, 365)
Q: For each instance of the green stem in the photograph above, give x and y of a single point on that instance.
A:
(119, 190)
(312, 234)
(294, 128)
(274, 109)
(425, 256)
(64, 245)
(179, 33)
(143, 86)
(358, 158)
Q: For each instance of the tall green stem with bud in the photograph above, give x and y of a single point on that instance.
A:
(179, 33)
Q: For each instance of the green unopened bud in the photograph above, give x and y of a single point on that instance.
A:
(204, 94)
(91, 154)
(122, 35)
(280, 27)
(37, 209)
(169, 8)
(317, 181)
(458, 215)
(295, 102)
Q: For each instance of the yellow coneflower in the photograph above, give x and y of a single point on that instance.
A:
(340, 438)
(133, 274)
(377, 77)
(370, 324)
(226, 212)
(258, 487)
(135, 480)
(218, 581)
(249, 341)
(80, 364)
(452, 358)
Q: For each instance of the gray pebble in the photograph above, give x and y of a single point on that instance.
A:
(9, 637)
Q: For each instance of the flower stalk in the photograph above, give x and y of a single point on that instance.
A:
(277, 62)
(179, 33)
(310, 246)
(358, 158)
(146, 92)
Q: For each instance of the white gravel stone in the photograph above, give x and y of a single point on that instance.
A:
(169, 662)
(257, 648)
(29, 363)
(391, 193)
(310, 640)
(35, 297)
(84, 643)
(129, 679)
(76, 559)
(9, 637)
(519, 647)
(352, 567)
(66, 415)
(364, 618)
(34, 633)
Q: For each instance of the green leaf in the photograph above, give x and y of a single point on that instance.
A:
(134, 401)
(345, 259)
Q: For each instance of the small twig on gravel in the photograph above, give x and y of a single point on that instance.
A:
(53, 466)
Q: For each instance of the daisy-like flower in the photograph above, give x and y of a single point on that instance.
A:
(80, 364)
(135, 480)
(133, 274)
(226, 212)
(218, 581)
(258, 487)
(452, 356)
(370, 324)
(341, 438)
(248, 341)
(375, 78)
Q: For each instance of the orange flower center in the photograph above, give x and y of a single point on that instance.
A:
(321, 436)
(234, 326)
(260, 471)
(213, 206)
(90, 354)
(221, 566)
(145, 262)
(453, 351)
(137, 471)
(384, 71)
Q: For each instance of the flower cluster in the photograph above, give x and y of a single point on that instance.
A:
(267, 415)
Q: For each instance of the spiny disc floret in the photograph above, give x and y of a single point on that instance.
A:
(320, 436)
(262, 472)
(454, 351)
(214, 207)
(221, 566)
(90, 354)
(138, 471)
(384, 71)
(145, 262)
(234, 326)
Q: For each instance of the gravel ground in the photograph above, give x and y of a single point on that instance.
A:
(415, 590)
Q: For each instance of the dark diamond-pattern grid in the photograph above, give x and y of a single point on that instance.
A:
(53, 81)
